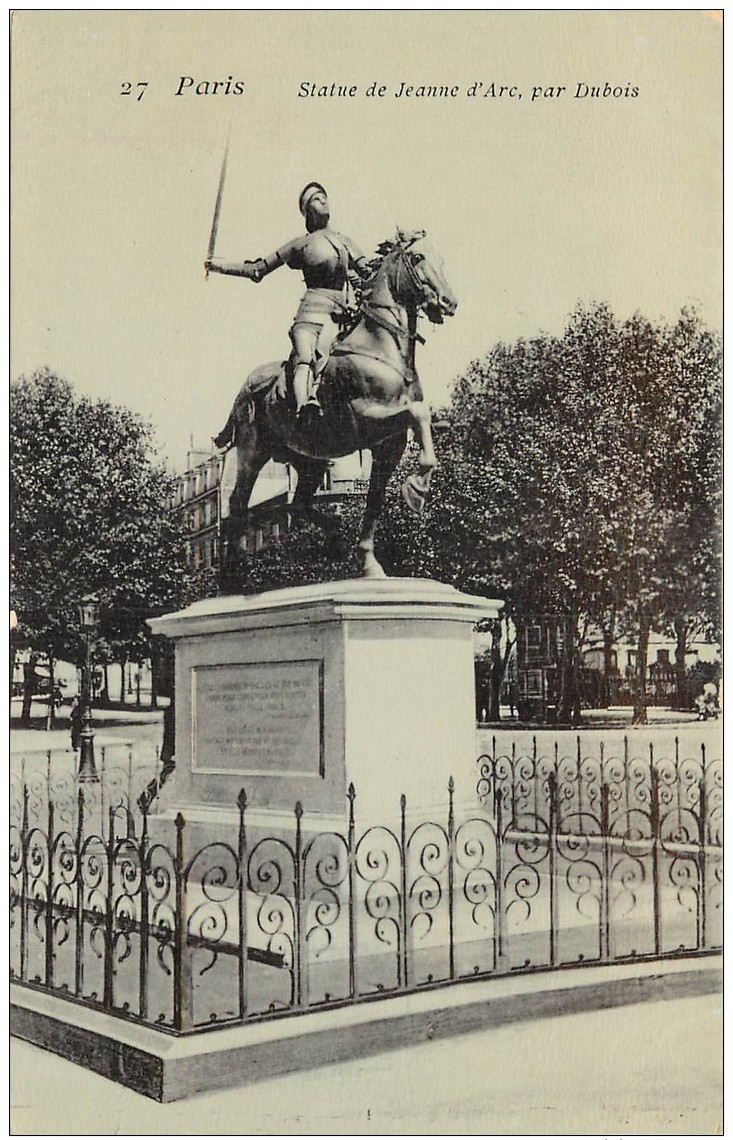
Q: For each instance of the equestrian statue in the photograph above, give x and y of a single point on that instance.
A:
(350, 383)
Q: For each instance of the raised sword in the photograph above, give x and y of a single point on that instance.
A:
(217, 209)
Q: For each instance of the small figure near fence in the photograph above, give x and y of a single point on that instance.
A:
(707, 703)
(75, 719)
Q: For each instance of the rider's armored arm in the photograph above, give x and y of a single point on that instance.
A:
(253, 270)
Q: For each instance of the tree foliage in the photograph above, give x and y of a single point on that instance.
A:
(580, 475)
(89, 512)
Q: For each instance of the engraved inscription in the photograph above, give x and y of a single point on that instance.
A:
(258, 719)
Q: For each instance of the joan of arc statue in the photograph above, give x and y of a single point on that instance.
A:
(331, 265)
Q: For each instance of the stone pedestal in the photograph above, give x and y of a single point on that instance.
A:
(295, 694)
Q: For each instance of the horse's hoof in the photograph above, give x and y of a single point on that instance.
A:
(373, 569)
(414, 494)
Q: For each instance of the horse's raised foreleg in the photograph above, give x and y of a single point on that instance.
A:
(417, 414)
(385, 457)
(416, 487)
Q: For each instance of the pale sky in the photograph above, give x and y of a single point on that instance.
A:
(535, 205)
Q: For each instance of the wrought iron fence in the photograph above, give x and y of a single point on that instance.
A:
(143, 925)
(51, 777)
(689, 788)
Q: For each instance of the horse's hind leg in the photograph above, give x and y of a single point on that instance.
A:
(385, 457)
(253, 451)
(310, 474)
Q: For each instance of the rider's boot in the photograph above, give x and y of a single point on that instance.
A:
(308, 404)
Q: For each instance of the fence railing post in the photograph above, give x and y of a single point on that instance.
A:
(351, 846)
(552, 839)
(102, 788)
(144, 909)
(605, 894)
(182, 987)
(499, 885)
(702, 858)
(49, 895)
(79, 946)
(579, 764)
(656, 854)
(24, 887)
(242, 901)
(492, 789)
(451, 884)
(130, 799)
(403, 979)
(300, 980)
(109, 932)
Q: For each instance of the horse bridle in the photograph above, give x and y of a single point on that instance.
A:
(423, 290)
(421, 286)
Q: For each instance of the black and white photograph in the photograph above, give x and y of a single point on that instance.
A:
(365, 439)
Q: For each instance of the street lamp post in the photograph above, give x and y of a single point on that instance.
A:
(88, 611)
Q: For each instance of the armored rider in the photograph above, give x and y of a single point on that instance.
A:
(331, 265)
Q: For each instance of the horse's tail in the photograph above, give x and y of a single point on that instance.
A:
(259, 382)
(225, 438)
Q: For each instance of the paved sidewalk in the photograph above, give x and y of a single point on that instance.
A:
(650, 1068)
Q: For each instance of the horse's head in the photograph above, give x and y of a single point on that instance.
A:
(420, 277)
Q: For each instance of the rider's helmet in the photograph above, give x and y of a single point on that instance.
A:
(306, 194)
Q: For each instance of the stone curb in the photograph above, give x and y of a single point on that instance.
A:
(168, 1068)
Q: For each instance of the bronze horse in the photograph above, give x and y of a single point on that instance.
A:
(370, 395)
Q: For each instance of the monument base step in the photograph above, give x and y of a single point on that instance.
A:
(167, 1068)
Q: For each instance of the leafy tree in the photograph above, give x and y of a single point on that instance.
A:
(89, 513)
(579, 476)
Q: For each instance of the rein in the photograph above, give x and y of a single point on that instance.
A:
(368, 311)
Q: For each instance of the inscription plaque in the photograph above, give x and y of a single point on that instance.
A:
(260, 719)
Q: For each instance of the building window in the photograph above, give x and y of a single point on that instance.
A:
(533, 682)
(534, 636)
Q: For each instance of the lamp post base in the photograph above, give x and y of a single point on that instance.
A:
(87, 770)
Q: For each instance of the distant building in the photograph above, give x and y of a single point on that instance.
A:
(198, 499)
(202, 498)
(542, 656)
(543, 661)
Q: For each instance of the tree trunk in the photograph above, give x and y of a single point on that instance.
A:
(568, 702)
(137, 686)
(51, 694)
(154, 665)
(105, 670)
(608, 632)
(29, 689)
(123, 671)
(13, 656)
(640, 672)
(496, 673)
(680, 663)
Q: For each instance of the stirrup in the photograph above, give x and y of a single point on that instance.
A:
(313, 407)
